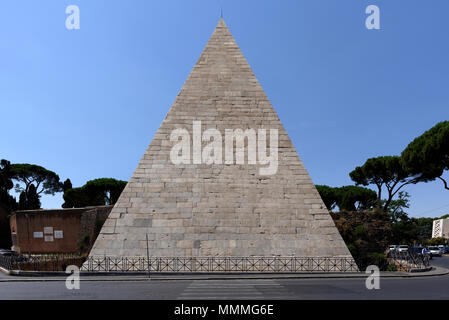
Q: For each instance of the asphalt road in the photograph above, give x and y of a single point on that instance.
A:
(390, 288)
(440, 261)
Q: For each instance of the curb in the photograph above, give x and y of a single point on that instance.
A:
(36, 276)
(5, 271)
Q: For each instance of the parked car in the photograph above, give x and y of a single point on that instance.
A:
(417, 249)
(402, 248)
(10, 253)
(393, 247)
(435, 251)
(443, 249)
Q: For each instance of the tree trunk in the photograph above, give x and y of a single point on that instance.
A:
(444, 182)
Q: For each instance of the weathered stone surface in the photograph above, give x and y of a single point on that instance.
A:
(219, 209)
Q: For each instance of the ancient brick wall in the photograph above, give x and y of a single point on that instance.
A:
(55, 231)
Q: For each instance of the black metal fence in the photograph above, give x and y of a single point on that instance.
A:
(221, 264)
(6, 262)
(47, 262)
(403, 261)
(409, 261)
(181, 264)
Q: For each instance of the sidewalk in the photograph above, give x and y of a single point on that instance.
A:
(35, 276)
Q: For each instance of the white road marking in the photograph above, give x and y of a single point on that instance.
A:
(235, 290)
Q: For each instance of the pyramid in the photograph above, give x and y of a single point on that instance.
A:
(194, 208)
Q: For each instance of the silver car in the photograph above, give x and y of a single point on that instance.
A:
(435, 251)
(402, 248)
(443, 249)
(393, 247)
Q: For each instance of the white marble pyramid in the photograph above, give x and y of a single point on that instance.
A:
(220, 209)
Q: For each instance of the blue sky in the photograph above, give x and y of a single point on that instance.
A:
(86, 103)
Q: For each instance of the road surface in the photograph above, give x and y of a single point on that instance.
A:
(436, 287)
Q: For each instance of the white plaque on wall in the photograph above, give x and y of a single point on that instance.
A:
(48, 230)
(38, 234)
(48, 238)
(59, 234)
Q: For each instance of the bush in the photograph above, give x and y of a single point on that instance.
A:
(367, 235)
(391, 267)
(84, 243)
(436, 241)
(379, 259)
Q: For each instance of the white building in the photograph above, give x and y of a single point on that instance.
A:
(440, 228)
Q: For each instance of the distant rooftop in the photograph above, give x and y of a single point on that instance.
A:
(61, 210)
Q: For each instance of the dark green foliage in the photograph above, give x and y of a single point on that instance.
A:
(412, 231)
(359, 231)
(30, 200)
(379, 259)
(367, 235)
(105, 191)
(348, 198)
(5, 231)
(436, 241)
(407, 230)
(392, 268)
(396, 208)
(84, 243)
(427, 156)
(7, 203)
(422, 229)
(36, 180)
(328, 195)
(352, 198)
(74, 198)
(67, 185)
(5, 176)
(404, 232)
(388, 172)
(98, 225)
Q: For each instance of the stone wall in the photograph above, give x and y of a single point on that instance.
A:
(91, 222)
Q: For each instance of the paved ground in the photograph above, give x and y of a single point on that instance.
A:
(398, 288)
(440, 261)
(436, 287)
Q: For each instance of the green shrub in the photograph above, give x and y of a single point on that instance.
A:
(391, 267)
(367, 235)
(84, 243)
